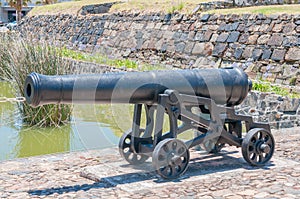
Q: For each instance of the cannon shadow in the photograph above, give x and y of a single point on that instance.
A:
(198, 166)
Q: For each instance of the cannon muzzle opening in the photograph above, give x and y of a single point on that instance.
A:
(31, 89)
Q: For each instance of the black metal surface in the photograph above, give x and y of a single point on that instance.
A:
(225, 86)
(258, 146)
(170, 158)
(126, 151)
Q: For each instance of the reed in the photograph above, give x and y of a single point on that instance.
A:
(18, 58)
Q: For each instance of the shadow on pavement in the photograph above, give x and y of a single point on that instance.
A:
(203, 165)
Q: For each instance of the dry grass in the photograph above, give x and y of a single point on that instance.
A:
(167, 6)
(267, 10)
(184, 6)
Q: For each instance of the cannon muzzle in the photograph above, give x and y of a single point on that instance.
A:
(228, 86)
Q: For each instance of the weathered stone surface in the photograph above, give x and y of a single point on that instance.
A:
(222, 37)
(214, 37)
(275, 40)
(179, 47)
(293, 54)
(263, 39)
(232, 26)
(219, 49)
(189, 47)
(290, 41)
(248, 52)
(277, 27)
(244, 38)
(288, 28)
(263, 28)
(205, 17)
(266, 54)
(278, 55)
(202, 49)
(257, 53)
(233, 37)
(238, 53)
(207, 35)
(252, 39)
(147, 35)
(199, 36)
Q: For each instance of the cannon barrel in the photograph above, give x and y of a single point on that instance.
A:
(228, 86)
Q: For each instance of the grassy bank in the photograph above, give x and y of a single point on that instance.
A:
(166, 6)
(19, 57)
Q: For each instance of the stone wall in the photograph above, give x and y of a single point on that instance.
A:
(268, 45)
(278, 111)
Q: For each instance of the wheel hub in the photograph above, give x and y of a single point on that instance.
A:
(174, 159)
(264, 148)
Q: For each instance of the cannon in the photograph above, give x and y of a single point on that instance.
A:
(201, 100)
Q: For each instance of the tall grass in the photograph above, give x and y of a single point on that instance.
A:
(18, 58)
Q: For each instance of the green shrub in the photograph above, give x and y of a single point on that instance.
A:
(268, 87)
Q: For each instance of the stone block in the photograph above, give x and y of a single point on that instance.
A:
(278, 55)
(222, 26)
(252, 39)
(277, 27)
(214, 37)
(238, 53)
(232, 26)
(263, 39)
(288, 28)
(202, 49)
(189, 47)
(293, 54)
(205, 17)
(222, 37)
(176, 36)
(168, 34)
(263, 28)
(275, 40)
(241, 28)
(198, 36)
(244, 38)
(219, 49)
(257, 53)
(247, 53)
(233, 37)
(179, 47)
(290, 41)
(207, 35)
(184, 36)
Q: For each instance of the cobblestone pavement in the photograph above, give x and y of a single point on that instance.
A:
(209, 176)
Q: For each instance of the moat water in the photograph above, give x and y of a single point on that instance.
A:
(91, 127)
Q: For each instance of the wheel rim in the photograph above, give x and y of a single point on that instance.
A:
(126, 152)
(258, 147)
(170, 158)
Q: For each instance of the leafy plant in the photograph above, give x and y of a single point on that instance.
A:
(279, 90)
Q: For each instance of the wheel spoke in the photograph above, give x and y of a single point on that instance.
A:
(261, 158)
(174, 145)
(126, 155)
(134, 157)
